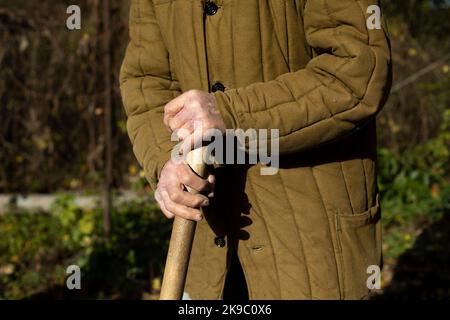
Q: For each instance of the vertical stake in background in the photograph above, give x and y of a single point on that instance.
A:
(107, 198)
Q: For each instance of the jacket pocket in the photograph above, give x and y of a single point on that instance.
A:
(359, 246)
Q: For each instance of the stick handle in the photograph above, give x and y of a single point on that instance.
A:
(181, 242)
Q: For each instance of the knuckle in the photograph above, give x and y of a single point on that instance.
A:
(185, 178)
(186, 214)
(206, 121)
(183, 132)
(203, 184)
(168, 215)
(166, 112)
(170, 206)
(198, 201)
(194, 213)
(194, 104)
(176, 197)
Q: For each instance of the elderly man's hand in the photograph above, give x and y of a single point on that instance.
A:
(191, 110)
(172, 197)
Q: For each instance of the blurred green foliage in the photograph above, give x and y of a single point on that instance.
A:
(415, 189)
(36, 248)
(416, 183)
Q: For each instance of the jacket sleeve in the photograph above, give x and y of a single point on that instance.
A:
(146, 86)
(338, 91)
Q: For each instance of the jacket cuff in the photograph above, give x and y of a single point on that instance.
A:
(229, 115)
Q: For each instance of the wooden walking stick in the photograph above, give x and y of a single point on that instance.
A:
(181, 242)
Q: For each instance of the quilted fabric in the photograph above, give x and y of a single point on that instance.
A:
(309, 68)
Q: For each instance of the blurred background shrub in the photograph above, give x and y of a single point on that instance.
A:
(37, 247)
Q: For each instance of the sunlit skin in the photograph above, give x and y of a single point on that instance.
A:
(180, 115)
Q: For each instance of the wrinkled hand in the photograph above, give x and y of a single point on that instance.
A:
(194, 109)
(172, 197)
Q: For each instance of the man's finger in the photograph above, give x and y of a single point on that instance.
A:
(182, 197)
(167, 213)
(180, 210)
(183, 133)
(172, 108)
(195, 140)
(212, 181)
(192, 180)
(180, 119)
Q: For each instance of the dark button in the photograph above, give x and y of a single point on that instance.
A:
(218, 87)
(220, 242)
(211, 8)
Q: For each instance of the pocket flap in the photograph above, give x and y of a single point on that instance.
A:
(370, 216)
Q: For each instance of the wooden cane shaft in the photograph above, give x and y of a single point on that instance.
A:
(181, 242)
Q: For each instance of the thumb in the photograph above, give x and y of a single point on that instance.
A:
(172, 108)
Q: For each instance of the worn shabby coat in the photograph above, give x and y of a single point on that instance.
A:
(313, 70)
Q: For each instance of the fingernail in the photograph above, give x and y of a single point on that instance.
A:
(205, 202)
(211, 195)
(198, 217)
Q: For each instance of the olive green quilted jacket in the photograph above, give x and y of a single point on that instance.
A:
(312, 69)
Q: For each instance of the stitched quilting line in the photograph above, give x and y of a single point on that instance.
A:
(197, 53)
(233, 51)
(346, 187)
(150, 123)
(318, 86)
(366, 184)
(280, 241)
(311, 90)
(299, 236)
(244, 113)
(139, 39)
(160, 2)
(268, 235)
(327, 219)
(135, 130)
(276, 25)
(141, 89)
(261, 53)
(333, 117)
(244, 116)
(155, 147)
(154, 158)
